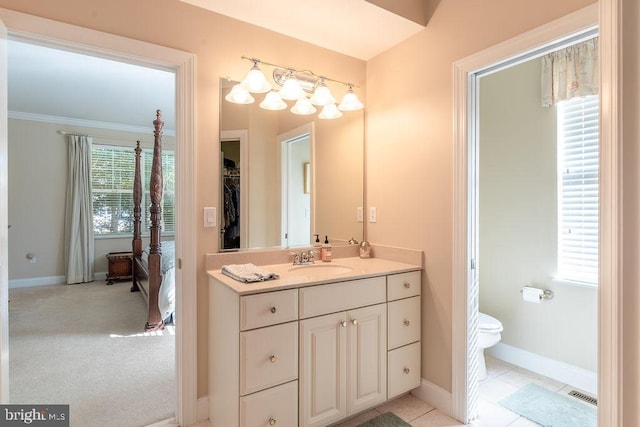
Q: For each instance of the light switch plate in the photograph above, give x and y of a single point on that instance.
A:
(373, 214)
(360, 214)
(210, 217)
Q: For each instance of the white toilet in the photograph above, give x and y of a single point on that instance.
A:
(489, 329)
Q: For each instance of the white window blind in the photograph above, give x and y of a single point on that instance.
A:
(112, 173)
(578, 189)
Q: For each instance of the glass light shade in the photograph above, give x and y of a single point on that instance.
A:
(239, 95)
(273, 102)
(291, 90)
(330, 112)
(303, 107)
(256, 82)
(350, 102)
(322, 95)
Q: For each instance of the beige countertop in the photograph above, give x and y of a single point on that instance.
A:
(338, 270)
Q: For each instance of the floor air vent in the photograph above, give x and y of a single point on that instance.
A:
(584, 397)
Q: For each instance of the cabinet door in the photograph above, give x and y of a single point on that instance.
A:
(366, 357)
(323, 369)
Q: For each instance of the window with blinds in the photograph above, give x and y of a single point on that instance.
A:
(112, 173)
(578, 190)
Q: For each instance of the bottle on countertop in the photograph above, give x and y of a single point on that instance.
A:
(317, 243)
(325, 252)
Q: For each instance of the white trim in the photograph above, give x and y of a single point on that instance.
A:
(575, 376)
(96, 124)
(538, 38)
(202, 410)
(610, 367)
(39, 281)
(435, 396)
(96, 43)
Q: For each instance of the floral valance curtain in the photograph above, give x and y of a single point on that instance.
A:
(570, 72)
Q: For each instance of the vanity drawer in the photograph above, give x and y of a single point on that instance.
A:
(403, 373)
(269, 308)
(276, 406)
(334, 297)
(268, 357)
(403, 285)
(403, 322)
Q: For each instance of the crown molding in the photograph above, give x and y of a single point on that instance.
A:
(96, 124)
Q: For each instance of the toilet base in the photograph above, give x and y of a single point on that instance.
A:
(482, 365)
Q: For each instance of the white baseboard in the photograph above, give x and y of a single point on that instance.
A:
(435, 395)
(47, 281)
(202, 412)
(580, 378)
(37, 281)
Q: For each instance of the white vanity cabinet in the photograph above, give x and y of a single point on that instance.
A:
(343, 360)
(312, 355)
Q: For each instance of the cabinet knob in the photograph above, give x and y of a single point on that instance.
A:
(407, 285)
(273, 358)
(406, 322)
(343, 324)
(406, 370)
(354, 321)
(272, 421)
(273, 309)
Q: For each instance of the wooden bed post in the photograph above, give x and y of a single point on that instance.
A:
(155, 253)
(136, 244)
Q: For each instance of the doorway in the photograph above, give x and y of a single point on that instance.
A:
(296, 186)
(465, 275)
(234, 219)
(54, 33)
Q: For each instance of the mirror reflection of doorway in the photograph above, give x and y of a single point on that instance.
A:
(297, 189)
(234, 203)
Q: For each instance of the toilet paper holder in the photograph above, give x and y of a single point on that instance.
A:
(546, 294)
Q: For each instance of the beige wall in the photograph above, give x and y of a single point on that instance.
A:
(218, 43)
(410, 144)
(37, 186)
(518, 223)
(631, 211)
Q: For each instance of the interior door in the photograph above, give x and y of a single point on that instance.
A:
(4, 224)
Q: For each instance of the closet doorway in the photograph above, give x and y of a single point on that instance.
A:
(234, 223)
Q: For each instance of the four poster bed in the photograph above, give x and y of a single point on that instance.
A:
(153, 267)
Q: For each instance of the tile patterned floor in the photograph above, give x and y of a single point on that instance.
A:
(503, 379)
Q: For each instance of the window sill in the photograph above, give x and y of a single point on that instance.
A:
(576, 283)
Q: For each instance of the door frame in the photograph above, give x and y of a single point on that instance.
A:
(605, 15)
(96, 43)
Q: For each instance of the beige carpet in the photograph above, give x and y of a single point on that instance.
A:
(82, 345)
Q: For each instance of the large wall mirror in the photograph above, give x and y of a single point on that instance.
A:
(286, 177)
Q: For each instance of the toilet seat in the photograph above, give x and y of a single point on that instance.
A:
(489, 324)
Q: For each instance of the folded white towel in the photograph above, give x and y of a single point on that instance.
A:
(247, 273)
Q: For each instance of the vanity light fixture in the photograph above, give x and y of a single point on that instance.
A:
(239, 95)
(330, 112)
(256, 81)
(273, 101)
(303, 107)
(295, 84)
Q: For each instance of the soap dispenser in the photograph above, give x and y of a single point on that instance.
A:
(317, 243)
(325, 252)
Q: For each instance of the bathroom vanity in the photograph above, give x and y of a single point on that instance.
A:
(320, 344)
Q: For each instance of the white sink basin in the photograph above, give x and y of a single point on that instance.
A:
(324, 269)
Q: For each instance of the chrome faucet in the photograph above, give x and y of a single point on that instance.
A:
(303, 258)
